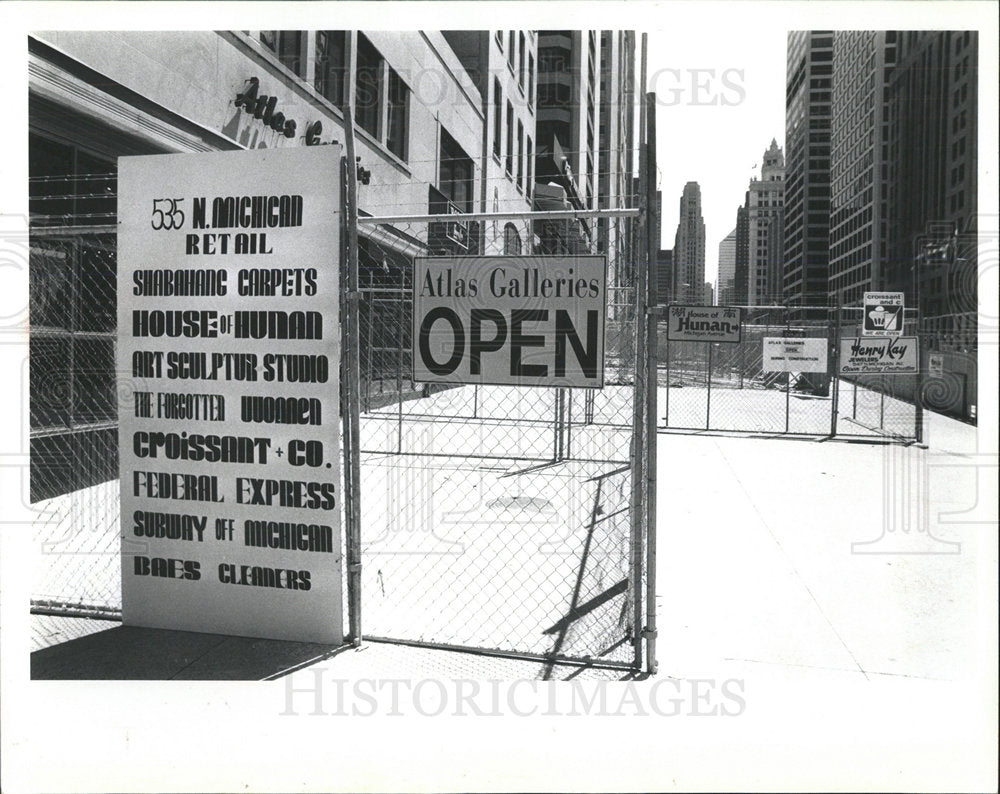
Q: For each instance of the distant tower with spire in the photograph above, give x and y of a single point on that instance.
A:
(689, 249)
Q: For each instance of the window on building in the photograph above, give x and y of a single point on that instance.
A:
(397, 114)
(331, 66)
(289, 46)
(456, 173)
(499, 37)
(368, 87)
(511, 240)
(530, 157)
(497, 118)
(520, 58)
(531, 79)
(510, 139)
(72, 304)
(511, 49)
(520, 155)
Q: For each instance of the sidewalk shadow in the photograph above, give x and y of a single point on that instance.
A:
(141, 654)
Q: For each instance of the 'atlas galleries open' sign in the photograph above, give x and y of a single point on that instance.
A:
(229, 344)
(505, 320)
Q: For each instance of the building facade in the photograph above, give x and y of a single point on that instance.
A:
(689, 249)
(446, 123)
(765, 202)
(615, 140)
(859, 154)
(932, 182)
(808, 91)
(664, 275)
(727, 270)
(741, 269)
(503, 65)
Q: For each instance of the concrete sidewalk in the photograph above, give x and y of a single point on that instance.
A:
(793, 555)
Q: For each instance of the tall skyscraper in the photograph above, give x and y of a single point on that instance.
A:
(727, 269)
(689, 248)
(664, 275)
(615, 141)
(741, 269)
(765, 200)
(859, 149)
(933, 111)
(806, 246)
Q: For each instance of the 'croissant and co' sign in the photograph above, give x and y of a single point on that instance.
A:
(883, 314)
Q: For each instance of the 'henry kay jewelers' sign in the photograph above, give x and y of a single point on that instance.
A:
(228, 333)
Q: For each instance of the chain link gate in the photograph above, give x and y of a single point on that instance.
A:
(497, 518)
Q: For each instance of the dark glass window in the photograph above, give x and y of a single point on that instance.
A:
(397, 110)
(289, 46)
(510, 140)
(520, 154)
(497, 117)
(456, 173)
(511, 240)
(368, 87)
(331, 65)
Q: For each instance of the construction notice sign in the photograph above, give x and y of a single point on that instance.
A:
(899, 355)
(510, 320)
(228, 358)
(794, 355)
(883, 314)
(704, 324)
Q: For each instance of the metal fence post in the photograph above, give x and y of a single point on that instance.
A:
(352, 420)
(649, 632)
(833, 368)
(708, 395)
(918, 396)
(788, 376)
(637, 516)
(666, 411)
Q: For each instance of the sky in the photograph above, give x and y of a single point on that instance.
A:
(719, 108)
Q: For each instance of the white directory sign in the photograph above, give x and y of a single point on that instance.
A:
(704, 324)
(522, 321)
(228, 363)
(883, 314)
(794, 355)
(898, 355)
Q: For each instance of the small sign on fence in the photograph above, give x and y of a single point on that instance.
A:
(899, 355)
(883, 314)
(228, 362)
(794, 355)
(506, 320)
(704, 324)
(935, 365)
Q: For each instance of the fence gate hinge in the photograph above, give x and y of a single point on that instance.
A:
(648, 633)
(353, 295)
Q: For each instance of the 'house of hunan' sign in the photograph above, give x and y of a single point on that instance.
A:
(703, 324)
(228, 339)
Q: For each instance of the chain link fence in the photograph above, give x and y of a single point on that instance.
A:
(74, 420)
(494, 517)
(719, 386)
